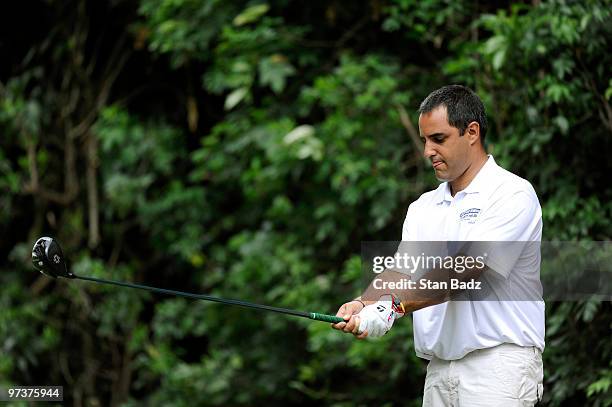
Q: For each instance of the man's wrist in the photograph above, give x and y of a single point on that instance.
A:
(396, 303)
(365, 303)
(358, 299)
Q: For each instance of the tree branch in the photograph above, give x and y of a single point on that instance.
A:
(418, 149)
(92, 190)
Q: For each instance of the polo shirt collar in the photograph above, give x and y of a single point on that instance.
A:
(483, 178)
(478, 184)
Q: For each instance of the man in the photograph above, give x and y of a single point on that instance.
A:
(481, 353)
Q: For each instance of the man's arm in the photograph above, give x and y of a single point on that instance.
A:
(430, 289)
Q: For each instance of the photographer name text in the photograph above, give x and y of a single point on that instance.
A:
(426, 284)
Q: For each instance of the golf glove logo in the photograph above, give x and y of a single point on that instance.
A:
(378, 318)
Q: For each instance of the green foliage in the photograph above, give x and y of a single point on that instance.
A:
(302, 149)
(250, 55)
(138, 161)
(184, 28)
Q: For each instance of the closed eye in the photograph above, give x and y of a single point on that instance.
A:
(437, 138)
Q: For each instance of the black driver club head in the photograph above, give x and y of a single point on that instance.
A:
(48, 258)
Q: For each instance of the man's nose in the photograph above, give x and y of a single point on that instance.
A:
(428, 150)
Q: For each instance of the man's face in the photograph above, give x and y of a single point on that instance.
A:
(448, 153)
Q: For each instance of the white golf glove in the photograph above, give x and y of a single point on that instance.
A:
(378, 318)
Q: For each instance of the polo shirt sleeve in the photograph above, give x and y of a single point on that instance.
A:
(412, 246)
(409, 227)
(505, 229)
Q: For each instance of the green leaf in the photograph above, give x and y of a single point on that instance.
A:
(235, 97)
(273, 71)
(251, 14)
(600, 386)
(498, 59)
(299, 133)
(562, 123)
(608, 93)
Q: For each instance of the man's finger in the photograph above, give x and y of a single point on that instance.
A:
(340, 325)
(348, 328)
(357, 323)
(352, 324)
(362, 335)
(341, 313)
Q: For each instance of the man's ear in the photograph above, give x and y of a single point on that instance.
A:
(473, 132)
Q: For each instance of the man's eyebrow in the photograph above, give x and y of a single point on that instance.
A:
(434, 135)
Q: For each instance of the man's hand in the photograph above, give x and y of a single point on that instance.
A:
(348, 311)
(374, 319)
(377, 319)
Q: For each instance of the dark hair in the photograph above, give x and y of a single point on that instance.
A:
(463, 106)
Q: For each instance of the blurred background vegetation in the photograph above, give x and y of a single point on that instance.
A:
(245, 149)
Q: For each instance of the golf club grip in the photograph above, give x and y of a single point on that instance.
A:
(325, 318)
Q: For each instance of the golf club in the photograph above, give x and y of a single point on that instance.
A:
(48, 258)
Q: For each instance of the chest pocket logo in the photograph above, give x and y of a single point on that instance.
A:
(469, 215)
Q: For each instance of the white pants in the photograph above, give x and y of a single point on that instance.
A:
(502, 376)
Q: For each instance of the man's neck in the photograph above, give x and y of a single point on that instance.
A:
(470, 173)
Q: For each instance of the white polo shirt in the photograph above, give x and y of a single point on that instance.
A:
(496, 206)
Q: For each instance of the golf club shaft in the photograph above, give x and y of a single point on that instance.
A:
(311, 315)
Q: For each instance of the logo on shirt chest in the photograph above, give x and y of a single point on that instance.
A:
(469, 215)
